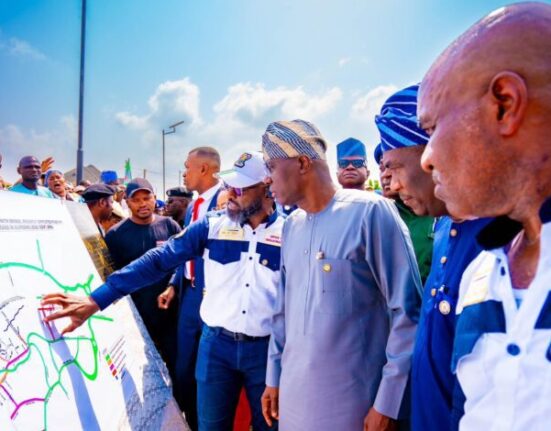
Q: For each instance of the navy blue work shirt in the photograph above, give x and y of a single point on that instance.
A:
(433, 384)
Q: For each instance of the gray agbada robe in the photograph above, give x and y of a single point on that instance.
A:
(345, 319)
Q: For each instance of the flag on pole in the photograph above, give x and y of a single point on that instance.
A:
(127, 171)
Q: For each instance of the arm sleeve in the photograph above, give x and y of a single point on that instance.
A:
(390, 254)
(174, 229)
(154, 265)
(277, 338)
(176, 278)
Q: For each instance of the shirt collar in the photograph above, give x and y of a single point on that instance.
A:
(207, 195)
(502, 230)
(271, 219)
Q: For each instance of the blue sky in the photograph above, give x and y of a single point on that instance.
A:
(226, 67)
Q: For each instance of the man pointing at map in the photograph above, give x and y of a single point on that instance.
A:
(241, 248)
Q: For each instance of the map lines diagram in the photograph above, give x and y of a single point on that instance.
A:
(30, 346)
(106, 375)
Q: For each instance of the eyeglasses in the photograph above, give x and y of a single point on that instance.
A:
(356, 163)
(239, 191)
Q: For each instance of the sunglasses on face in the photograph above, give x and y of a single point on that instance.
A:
(239, 191)
(357, 163)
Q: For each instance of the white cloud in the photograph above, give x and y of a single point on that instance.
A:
(172, 101)
(59, 142)
(344, 61)
(368, 105)
(236, 124)
(20, 48)
(364, 107)
(239, 119)
(253, 104)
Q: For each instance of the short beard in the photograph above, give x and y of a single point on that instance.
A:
(243, 215)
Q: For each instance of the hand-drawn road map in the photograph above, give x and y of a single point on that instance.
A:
(102, 376)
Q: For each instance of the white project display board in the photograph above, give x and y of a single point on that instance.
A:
(102, 376)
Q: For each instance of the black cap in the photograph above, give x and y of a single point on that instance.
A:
(179, 192)
(97, 191)
(138, 184)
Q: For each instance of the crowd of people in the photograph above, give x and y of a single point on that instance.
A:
(425, 306)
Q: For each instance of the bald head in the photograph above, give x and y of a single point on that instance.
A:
(208, 155)
(515, 38)
(28, 160)
(485, 102)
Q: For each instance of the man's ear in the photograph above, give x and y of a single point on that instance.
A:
(509, 94)
(305, 164)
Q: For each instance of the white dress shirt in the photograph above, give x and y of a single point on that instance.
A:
(207, 196)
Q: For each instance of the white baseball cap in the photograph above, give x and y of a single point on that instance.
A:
(248, 170)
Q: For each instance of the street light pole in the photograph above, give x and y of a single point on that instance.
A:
(171, 129)
(80, 153)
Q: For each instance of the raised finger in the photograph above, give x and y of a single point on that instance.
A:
(53, 296)
(69, 328)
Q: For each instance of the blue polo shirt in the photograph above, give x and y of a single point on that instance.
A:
(433, 383)
(39, 191)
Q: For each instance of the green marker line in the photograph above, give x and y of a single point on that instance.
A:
(34, 337)
(39, 254)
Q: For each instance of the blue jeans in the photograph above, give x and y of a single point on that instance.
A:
(224, 366)
(189, 332)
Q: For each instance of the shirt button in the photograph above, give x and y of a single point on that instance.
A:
(513, 349)
(309, 217)
(433, 292)
(453, 232)
(444, 307)
(247, 285)
(305, 251)
(443, 260)
(250, 258)
(254, 233)
(244, 312)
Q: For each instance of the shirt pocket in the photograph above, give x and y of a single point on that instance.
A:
(333, 289)
(225, 252)
(269, 255)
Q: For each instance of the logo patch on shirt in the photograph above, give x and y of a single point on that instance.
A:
(231, 233)
(273, 239)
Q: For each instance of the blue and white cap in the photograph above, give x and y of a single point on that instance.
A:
(248, 170)
(397, 122)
